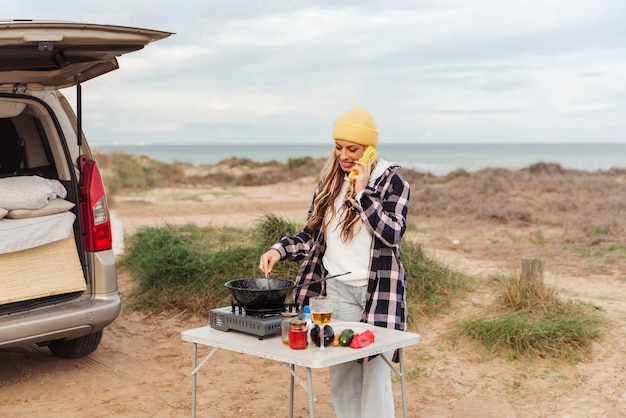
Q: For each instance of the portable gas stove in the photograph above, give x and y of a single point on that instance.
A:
(261, 322)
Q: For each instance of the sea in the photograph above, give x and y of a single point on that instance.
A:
(437, 159)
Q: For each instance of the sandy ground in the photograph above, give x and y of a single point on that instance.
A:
(142, 367)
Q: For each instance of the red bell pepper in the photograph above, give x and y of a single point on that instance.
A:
(362, 340)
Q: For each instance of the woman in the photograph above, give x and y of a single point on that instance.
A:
(354, 225)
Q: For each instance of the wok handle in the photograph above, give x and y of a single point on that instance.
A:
(336, 275)
(321, 280)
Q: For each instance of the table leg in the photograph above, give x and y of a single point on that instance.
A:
(194, 363)
(291, 384)
(405, 408)
(309, 379)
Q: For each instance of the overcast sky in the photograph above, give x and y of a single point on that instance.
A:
(428, 71)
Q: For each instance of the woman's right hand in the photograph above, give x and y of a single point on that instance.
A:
(271, 257)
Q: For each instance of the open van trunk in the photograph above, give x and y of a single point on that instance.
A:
(40, 238)
(58, 279)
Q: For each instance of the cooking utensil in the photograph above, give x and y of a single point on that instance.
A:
(269, 283)
(321, 280)
(265, 293)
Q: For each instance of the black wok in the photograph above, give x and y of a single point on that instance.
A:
(265, 293)
(260, 293)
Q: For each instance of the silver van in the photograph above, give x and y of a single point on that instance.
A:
(58, 280)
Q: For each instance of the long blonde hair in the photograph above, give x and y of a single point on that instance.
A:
(332, 178)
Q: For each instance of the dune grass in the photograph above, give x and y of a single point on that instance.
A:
(531, 320)
(184, 268)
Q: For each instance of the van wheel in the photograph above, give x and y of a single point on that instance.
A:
(77, 347)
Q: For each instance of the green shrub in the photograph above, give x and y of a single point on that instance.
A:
(598, 230)
(174, 266)
(185, 267)
(532, 320)
(272, 228)
(517, 333)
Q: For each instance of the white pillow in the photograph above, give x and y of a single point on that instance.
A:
(3, 212)
(29, 192)
(53, 206)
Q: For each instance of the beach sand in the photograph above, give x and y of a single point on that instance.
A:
(142, 367)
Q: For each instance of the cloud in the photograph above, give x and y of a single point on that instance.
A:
(436, 70)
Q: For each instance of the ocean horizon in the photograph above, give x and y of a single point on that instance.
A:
(438, 159)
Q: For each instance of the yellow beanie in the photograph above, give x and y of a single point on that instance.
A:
(358, 126)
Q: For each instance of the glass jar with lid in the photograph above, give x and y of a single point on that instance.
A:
(285, 324)
(298, 334)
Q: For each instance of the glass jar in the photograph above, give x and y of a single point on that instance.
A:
(285, 324)
(298, 334)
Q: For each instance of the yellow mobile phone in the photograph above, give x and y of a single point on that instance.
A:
(368, 156)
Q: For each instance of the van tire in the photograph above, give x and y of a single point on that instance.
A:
(77, 347)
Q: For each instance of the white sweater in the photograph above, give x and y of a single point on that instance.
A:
(352, 256)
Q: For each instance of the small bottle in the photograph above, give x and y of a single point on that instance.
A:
(306, 316)
(298, 335)
(285, 324)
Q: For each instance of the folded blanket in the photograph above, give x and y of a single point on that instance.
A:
(29, 192)
(23, 234)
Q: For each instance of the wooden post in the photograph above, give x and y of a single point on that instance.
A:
(532, 271)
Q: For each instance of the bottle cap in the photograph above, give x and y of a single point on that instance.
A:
(306, 309)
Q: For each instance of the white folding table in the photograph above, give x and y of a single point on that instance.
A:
(272, 348)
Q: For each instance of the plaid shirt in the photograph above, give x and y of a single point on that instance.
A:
(383, 206)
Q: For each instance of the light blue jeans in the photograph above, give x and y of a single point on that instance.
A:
(358, 390)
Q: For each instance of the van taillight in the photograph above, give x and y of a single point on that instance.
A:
(94, 209)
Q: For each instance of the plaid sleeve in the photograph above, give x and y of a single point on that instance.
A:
(385, 206)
